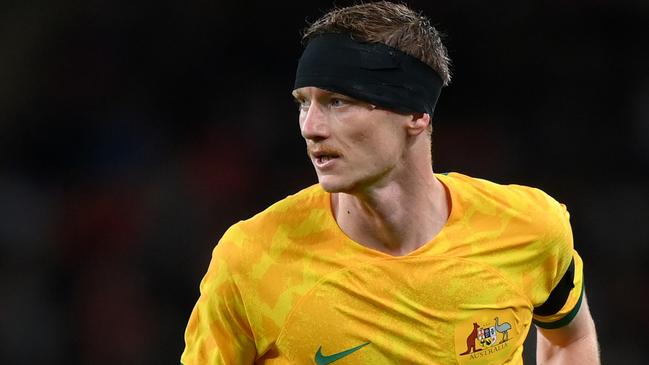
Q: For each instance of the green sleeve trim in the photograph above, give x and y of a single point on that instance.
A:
(566, 319)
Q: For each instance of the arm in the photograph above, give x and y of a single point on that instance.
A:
(574, 343)
(218, 332)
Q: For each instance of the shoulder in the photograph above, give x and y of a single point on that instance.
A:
(287, 212)
(512, 193)
(522, 203)
(255, 234)
(525, 232)
(512, 218)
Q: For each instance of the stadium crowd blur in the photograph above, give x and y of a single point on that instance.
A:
(132, 134)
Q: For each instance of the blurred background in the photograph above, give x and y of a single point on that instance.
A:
(133, 133)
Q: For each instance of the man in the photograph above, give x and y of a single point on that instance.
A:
(383, 261)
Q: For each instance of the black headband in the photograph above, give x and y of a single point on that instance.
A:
(371, 72)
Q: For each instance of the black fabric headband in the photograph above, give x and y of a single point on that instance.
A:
(371, 72)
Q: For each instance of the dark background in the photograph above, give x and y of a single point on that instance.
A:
(133, 133)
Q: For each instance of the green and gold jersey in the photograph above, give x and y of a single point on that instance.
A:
(289, 287)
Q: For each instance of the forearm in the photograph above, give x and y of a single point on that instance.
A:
(583, 350)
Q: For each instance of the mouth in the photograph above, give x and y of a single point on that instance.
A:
(324, 158)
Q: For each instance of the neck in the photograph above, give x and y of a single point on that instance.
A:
(397, 218)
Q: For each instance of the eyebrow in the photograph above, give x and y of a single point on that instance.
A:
(297, 94)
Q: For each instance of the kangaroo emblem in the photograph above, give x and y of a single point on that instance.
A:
(470, 340)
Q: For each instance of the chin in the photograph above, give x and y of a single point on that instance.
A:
(332, 185)
(357, 184)
(329, 187)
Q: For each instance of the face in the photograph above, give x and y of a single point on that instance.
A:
(352, 144)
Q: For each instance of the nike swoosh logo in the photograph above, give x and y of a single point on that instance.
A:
(321, 359)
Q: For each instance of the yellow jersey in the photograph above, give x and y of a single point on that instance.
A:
(287, 286)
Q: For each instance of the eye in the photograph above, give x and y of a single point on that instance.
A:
(302, 105)
(337, 102)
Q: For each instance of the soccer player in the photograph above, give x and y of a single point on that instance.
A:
(384, 261)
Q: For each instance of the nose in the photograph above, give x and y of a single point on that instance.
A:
(314, 123)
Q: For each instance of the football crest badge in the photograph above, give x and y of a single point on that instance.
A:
(486, 338)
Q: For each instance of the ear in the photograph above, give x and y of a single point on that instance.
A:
(418, 123)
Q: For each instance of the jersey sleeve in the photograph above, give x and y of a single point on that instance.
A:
(565, 279)
(218, 332)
